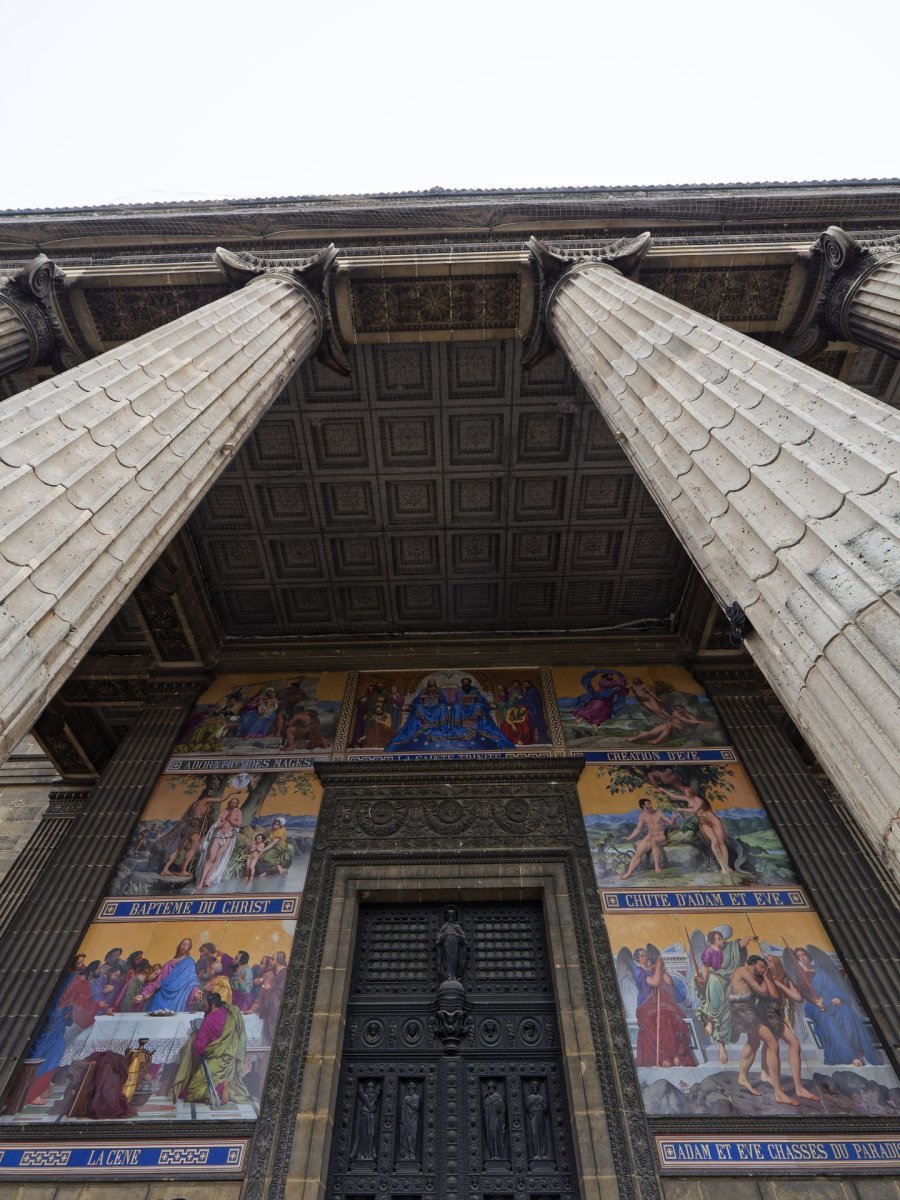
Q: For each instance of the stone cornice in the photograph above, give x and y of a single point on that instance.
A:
(612, 211)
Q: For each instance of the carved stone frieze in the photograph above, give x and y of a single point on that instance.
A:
(426, 820)
(414, 305)
(122, 313)
(84, 691)
(66, 804)
(736, 294)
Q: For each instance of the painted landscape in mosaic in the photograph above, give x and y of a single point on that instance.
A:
(222, 833)
(750, 1015)
(449, 712)
(679, 826)
(243, 714)
(655, 707)
(172, 1020)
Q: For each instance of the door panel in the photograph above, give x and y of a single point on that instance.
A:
(417, 1116)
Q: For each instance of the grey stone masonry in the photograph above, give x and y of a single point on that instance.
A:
(782, 485)
(872, 309)
(101, 465)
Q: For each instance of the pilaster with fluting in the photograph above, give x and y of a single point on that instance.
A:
(782, 485)
(100, 466)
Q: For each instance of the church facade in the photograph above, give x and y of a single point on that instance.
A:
(463, 631)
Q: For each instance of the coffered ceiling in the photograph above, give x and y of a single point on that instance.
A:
(440, 487)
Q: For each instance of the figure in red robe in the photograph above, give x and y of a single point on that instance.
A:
(664, 1039)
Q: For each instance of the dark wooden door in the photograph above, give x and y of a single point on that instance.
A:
(451, 1083)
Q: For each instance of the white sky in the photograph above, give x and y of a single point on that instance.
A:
(118, 101)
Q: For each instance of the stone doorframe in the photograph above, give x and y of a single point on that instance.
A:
(410, 882)
(470, 829)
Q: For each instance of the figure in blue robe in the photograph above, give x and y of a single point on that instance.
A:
(427, 726)
(50, 1043)
(439, 721)
(258, 715)
(534, 706)
(472, 713)
(834, 1015)
(176, 983)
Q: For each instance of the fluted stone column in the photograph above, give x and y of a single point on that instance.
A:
(855, 899)
(782, 485)
(100, 466)
(872, 307)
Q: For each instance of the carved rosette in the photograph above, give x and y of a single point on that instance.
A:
(32, 331)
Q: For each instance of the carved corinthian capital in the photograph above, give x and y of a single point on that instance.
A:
(852, 294)
(312, 276)
(33, 329)
(552, 266)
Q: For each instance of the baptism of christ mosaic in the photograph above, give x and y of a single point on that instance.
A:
(169, 1009)
(221, 833)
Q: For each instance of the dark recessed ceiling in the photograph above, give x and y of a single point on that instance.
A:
(438, 488)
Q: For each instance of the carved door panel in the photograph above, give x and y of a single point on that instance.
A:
(451, 1083)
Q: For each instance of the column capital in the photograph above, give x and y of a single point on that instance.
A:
(311, 275)
(36, 295)
(838, 266)
(553, 265)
